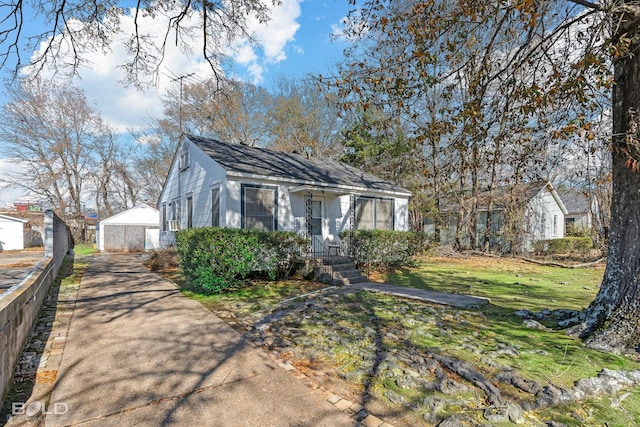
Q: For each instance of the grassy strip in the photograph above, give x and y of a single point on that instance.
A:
(256, 295)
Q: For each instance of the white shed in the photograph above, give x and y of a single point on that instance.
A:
(11, 233)
(134, 230)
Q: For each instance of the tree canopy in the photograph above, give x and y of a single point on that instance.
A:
(495, 93)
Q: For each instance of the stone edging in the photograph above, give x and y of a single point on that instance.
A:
(353, 410)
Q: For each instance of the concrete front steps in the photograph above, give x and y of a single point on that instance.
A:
(337, 270)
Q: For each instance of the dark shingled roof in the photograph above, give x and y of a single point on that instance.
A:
(259, 161)
(574, 200)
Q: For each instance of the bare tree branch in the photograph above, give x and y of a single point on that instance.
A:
(76, 29)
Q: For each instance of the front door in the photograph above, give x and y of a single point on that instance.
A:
(317, 218)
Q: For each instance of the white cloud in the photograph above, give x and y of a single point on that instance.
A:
(123, 106)
(126, 107)
(273, 37)
(245, 55)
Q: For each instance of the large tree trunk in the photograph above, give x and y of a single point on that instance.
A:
(613, 317)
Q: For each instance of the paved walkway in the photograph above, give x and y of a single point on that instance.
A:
(140, 353)
(454, 300)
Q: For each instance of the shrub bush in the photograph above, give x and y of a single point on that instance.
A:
(564, 245)
(215, 259)
(385, 248)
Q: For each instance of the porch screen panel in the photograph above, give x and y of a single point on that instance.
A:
(259, 208)
(316, 218)
(384, 214)
(365, 214)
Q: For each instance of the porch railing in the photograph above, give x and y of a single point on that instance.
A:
(323, 249)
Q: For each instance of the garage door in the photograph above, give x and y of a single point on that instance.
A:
(124, 238)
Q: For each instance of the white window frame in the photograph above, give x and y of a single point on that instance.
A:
(374, 222)
(274, 214)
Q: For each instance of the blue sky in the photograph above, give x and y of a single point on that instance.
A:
(312, 47)
(298, 40)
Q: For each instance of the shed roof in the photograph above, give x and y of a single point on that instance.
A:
(242, 159)
(13, 218)
(141, 214)
(505, 196)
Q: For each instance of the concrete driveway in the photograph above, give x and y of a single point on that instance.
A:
(140, 353)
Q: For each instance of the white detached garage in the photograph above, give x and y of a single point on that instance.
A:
(134, 230)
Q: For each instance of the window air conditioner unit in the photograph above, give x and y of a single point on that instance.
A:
(174, 225)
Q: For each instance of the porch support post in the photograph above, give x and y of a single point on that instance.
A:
(308, 205)
(352, 222)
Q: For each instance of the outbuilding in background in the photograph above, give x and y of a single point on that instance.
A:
(11, 233)
(134, 230)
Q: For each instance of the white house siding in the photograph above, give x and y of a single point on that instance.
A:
(196, 181)
(11, 233)
(298, 212)
(545, 217)
(401, 220)
(338, 211)
(203, 174)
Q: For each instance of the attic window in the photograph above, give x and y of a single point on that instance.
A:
(183, 161)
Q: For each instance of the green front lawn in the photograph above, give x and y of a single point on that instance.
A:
(510, 284)
(357, 336)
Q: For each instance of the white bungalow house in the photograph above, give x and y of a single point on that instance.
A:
(212, 183)
(12, 232)
(535, 210)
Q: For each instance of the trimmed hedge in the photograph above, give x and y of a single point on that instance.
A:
(215, 259)
(564, 245)
(385, 248)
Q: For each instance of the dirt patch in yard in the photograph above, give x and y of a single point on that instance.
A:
(18, 265)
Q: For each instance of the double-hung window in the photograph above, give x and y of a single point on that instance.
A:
(259, 207)
(374, 214)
